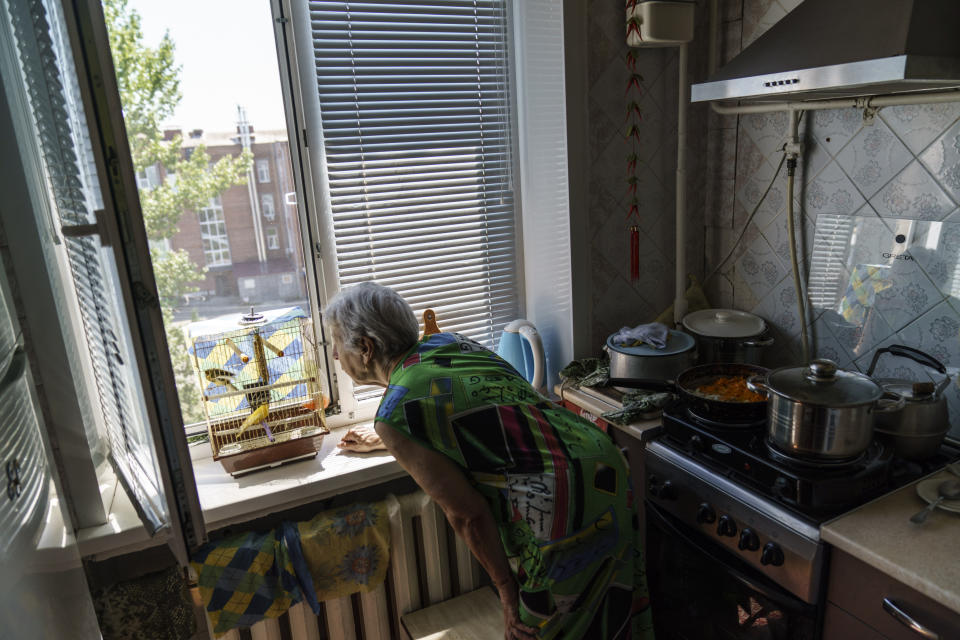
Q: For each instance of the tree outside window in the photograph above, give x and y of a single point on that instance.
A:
(148, 78)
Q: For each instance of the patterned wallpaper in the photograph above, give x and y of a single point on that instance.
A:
(905, 165)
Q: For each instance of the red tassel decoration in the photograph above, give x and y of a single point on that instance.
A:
(634, 253)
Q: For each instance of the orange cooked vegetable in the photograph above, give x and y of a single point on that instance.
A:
(730, 389)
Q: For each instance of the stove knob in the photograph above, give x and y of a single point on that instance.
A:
(706, 514)
(726, 526)
(748, 540)
(665, 491)
(771, 554)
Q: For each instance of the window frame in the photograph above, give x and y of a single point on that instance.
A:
(122, 228)
(263, 170)
(272, 238)
(88, 42)
(293, 24)
(215, 208)
(267, 207)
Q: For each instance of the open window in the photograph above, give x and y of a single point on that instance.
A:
(396, 161)
(409, 161)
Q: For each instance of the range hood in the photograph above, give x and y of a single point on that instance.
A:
(845, 48)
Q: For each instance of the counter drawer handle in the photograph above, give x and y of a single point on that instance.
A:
(904, 618)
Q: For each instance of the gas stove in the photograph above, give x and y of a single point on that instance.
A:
(813, 490)
(729, 485)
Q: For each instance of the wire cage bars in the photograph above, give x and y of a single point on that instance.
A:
(261, 392)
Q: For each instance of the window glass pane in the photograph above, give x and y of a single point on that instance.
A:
(216, 122)
(415, 106)
(266, 205)
(64, 144)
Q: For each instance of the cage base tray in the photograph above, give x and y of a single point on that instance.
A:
(238, 464)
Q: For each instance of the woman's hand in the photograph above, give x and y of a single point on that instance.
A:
(468, 513)
(512, 627)
(362, 438)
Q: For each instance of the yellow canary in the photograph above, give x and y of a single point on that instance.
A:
(257, 415)
(220, 376)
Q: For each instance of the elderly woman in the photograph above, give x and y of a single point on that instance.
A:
(517, 476)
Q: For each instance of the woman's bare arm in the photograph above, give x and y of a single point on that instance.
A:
(468, 514)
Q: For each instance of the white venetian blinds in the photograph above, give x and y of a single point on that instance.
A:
(415, 105)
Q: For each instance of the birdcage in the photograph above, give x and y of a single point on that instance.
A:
(261, 388)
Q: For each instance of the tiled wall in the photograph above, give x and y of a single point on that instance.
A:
(906, 165)
(617, 301)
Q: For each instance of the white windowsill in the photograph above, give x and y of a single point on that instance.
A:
(226, 500)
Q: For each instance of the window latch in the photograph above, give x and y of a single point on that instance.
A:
(97, 228)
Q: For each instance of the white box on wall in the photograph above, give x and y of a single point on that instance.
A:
(659, 23)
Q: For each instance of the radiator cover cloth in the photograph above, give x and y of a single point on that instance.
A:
(251, 576)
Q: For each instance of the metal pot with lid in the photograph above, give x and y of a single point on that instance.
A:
(820, 411)
(918, 428)
(728, 335)
(644, 361)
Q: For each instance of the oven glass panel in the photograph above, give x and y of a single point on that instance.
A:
(695, 597)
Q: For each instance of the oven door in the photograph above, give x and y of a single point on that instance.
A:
(700, 591)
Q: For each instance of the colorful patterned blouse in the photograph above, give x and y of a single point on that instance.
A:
(558, 487)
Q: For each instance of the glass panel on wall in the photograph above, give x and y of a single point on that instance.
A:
(211, 117)
(880, 281)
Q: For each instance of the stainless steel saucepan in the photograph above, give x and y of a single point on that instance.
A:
(819, 411)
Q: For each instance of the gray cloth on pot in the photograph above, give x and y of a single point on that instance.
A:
(653, 334)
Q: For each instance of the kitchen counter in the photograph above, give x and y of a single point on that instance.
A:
(923, 557)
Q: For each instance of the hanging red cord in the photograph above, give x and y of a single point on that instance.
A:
(632, 120)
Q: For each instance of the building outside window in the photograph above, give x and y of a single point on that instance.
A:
(273, 239)
(266, 206)
(213, 234)
(263, 170)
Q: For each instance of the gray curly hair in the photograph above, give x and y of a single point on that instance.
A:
(377, 312)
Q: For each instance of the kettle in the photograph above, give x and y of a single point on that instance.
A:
(919, 427)
(520, 345)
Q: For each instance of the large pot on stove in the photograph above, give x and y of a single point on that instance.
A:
(819, 411)
(728, 335)
(642, 361)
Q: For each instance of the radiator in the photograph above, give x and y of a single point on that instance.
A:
(423, 570)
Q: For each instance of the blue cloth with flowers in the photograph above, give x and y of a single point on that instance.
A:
(252, 576)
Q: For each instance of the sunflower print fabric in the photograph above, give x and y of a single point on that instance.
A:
(347, 550)
(246, 578)
(558, 487)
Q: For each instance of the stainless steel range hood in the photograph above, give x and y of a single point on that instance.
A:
(845, 48)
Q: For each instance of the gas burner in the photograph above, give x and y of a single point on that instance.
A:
(782, 457)
(816, 490)
(725, 424)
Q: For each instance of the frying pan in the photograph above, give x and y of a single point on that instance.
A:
(689, 380)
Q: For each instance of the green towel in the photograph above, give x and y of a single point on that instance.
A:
(586, 372)
(638, 405)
